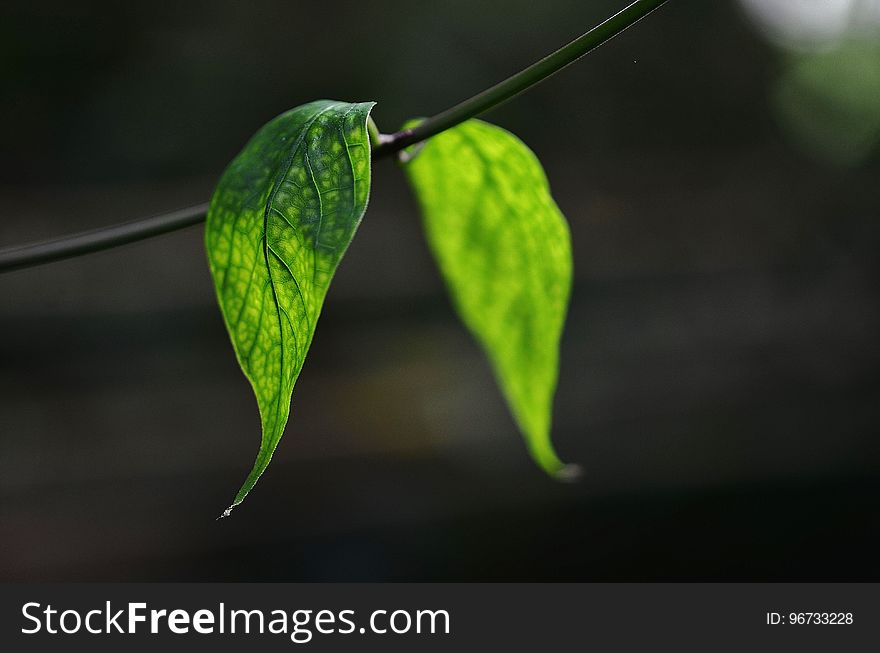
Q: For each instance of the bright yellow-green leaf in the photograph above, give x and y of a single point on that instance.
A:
(505, 252)
(279, 222)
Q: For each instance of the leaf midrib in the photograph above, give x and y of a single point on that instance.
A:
(269, 205)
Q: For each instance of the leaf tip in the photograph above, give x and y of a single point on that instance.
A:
(569, 473)
(227, 512)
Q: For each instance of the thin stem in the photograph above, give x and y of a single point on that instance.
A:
(87, 242)
(522, 81)
(384, 145)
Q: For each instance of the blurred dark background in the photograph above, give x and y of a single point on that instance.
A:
(720, 380)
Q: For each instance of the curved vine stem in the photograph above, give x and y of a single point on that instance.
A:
(520, 82)
(383, 145)
(95, 240)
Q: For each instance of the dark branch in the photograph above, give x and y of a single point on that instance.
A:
(92, 241)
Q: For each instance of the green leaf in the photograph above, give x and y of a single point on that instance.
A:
(504, 250)
(279, 222)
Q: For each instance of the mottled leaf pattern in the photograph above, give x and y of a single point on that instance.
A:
(279, 222)
(504, 250)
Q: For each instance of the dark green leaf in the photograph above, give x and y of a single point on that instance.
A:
(279, 222)
(504, 250)
(829, 101)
